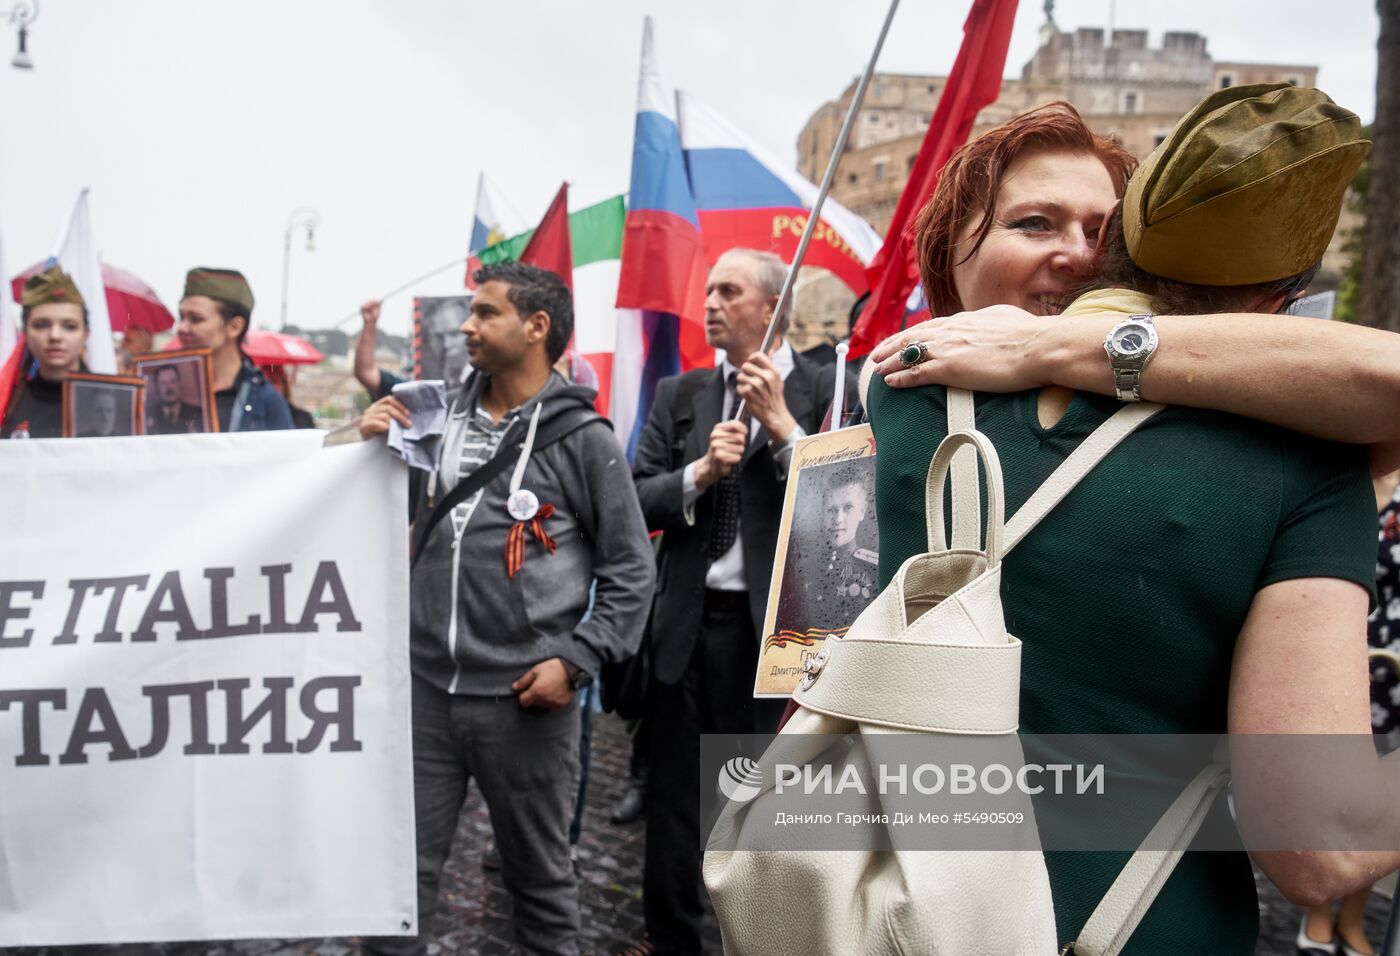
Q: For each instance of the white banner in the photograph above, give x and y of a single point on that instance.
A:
(204, 690)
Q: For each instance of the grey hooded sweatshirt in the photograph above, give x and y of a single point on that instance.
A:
(474, 629)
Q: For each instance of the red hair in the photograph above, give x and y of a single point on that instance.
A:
(972, 179)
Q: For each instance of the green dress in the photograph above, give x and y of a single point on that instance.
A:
(1129, 596)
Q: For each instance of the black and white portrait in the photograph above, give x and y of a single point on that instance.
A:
(102, 406)
(439, 348)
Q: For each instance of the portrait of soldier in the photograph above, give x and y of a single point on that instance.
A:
(169, 413)
(839, 563)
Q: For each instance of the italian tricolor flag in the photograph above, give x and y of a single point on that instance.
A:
(595, 238)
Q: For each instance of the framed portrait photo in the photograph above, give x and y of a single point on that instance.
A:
(102, 406)
(179, 397)
(826, 566)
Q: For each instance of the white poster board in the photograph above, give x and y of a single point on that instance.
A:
(204, 690)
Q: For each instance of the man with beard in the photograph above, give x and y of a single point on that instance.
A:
(502, 632)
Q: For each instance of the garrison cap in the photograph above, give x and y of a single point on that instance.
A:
(1247, 188)
(51, 285)
(225, 284)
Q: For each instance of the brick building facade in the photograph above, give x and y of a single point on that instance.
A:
(1121, 84)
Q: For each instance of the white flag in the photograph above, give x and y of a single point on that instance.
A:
(7, 325)
(76, 252)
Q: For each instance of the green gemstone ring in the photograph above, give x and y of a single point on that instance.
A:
(913, 353)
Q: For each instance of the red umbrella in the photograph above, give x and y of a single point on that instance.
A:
(271, 348)
(129, 300)
(279, 348)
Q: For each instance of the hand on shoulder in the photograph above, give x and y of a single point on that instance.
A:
(997, 349)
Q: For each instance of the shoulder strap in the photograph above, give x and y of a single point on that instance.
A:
(1080, 462)
(505, 456)
(967, 519)
(1128, 899)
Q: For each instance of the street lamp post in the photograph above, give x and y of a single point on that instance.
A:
(309, 219)
(22, 14)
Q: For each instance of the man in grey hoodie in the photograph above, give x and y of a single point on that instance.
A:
(501, 633)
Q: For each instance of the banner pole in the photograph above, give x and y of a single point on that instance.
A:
(814, 216)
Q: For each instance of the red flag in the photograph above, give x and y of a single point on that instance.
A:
(974, 83)
(10, 374)
(549, 248)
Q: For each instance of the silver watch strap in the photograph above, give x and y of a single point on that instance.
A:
(1127, 382)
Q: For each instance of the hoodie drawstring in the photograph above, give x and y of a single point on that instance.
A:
(515, 538)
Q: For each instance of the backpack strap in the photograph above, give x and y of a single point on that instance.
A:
(967, 532)
(1080, 462)
(967, 510)
(1136, 887)
(1147, 870)
(506, 455)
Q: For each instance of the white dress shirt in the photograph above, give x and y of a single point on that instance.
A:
(726, 573)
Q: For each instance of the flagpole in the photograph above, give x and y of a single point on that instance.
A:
(814, 216)
(405, 287)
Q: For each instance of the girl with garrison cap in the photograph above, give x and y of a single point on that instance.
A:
(55, 323)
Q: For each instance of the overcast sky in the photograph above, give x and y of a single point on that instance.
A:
(201, 125)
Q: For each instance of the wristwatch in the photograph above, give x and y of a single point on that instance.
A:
(578, 677)
(1130, 346)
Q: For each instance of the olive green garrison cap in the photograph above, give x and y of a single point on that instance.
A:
(1247, 188)
(51, 285)
(223, 284)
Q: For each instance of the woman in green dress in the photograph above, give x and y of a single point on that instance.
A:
(1188, 584)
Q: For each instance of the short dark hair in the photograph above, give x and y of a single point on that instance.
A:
(156, 372)
(228, 311)
(1117, 270)
(25, 310)
(532, 290)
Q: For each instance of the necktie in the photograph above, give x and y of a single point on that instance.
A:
(725, 529)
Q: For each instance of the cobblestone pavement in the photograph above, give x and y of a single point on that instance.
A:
(473, 914)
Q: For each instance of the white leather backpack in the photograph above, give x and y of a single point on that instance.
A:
(931, 655)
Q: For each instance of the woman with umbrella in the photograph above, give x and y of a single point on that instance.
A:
(55, 323)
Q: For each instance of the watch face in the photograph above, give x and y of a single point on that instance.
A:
(1130, 340)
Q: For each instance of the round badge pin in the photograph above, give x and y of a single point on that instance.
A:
(523, 505)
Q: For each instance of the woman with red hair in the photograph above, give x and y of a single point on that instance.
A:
(1211, 573)
(1005, 335)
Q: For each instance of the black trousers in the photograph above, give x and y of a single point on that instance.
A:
(714, 696)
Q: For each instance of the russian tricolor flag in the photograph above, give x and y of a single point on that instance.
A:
(494, 221)
(745, 197)
(660, 292)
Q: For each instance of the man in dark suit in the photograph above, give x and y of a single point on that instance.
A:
(715, 487)
(170, 414)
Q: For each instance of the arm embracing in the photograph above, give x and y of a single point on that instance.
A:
(1300, 670)
(1327, 379)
